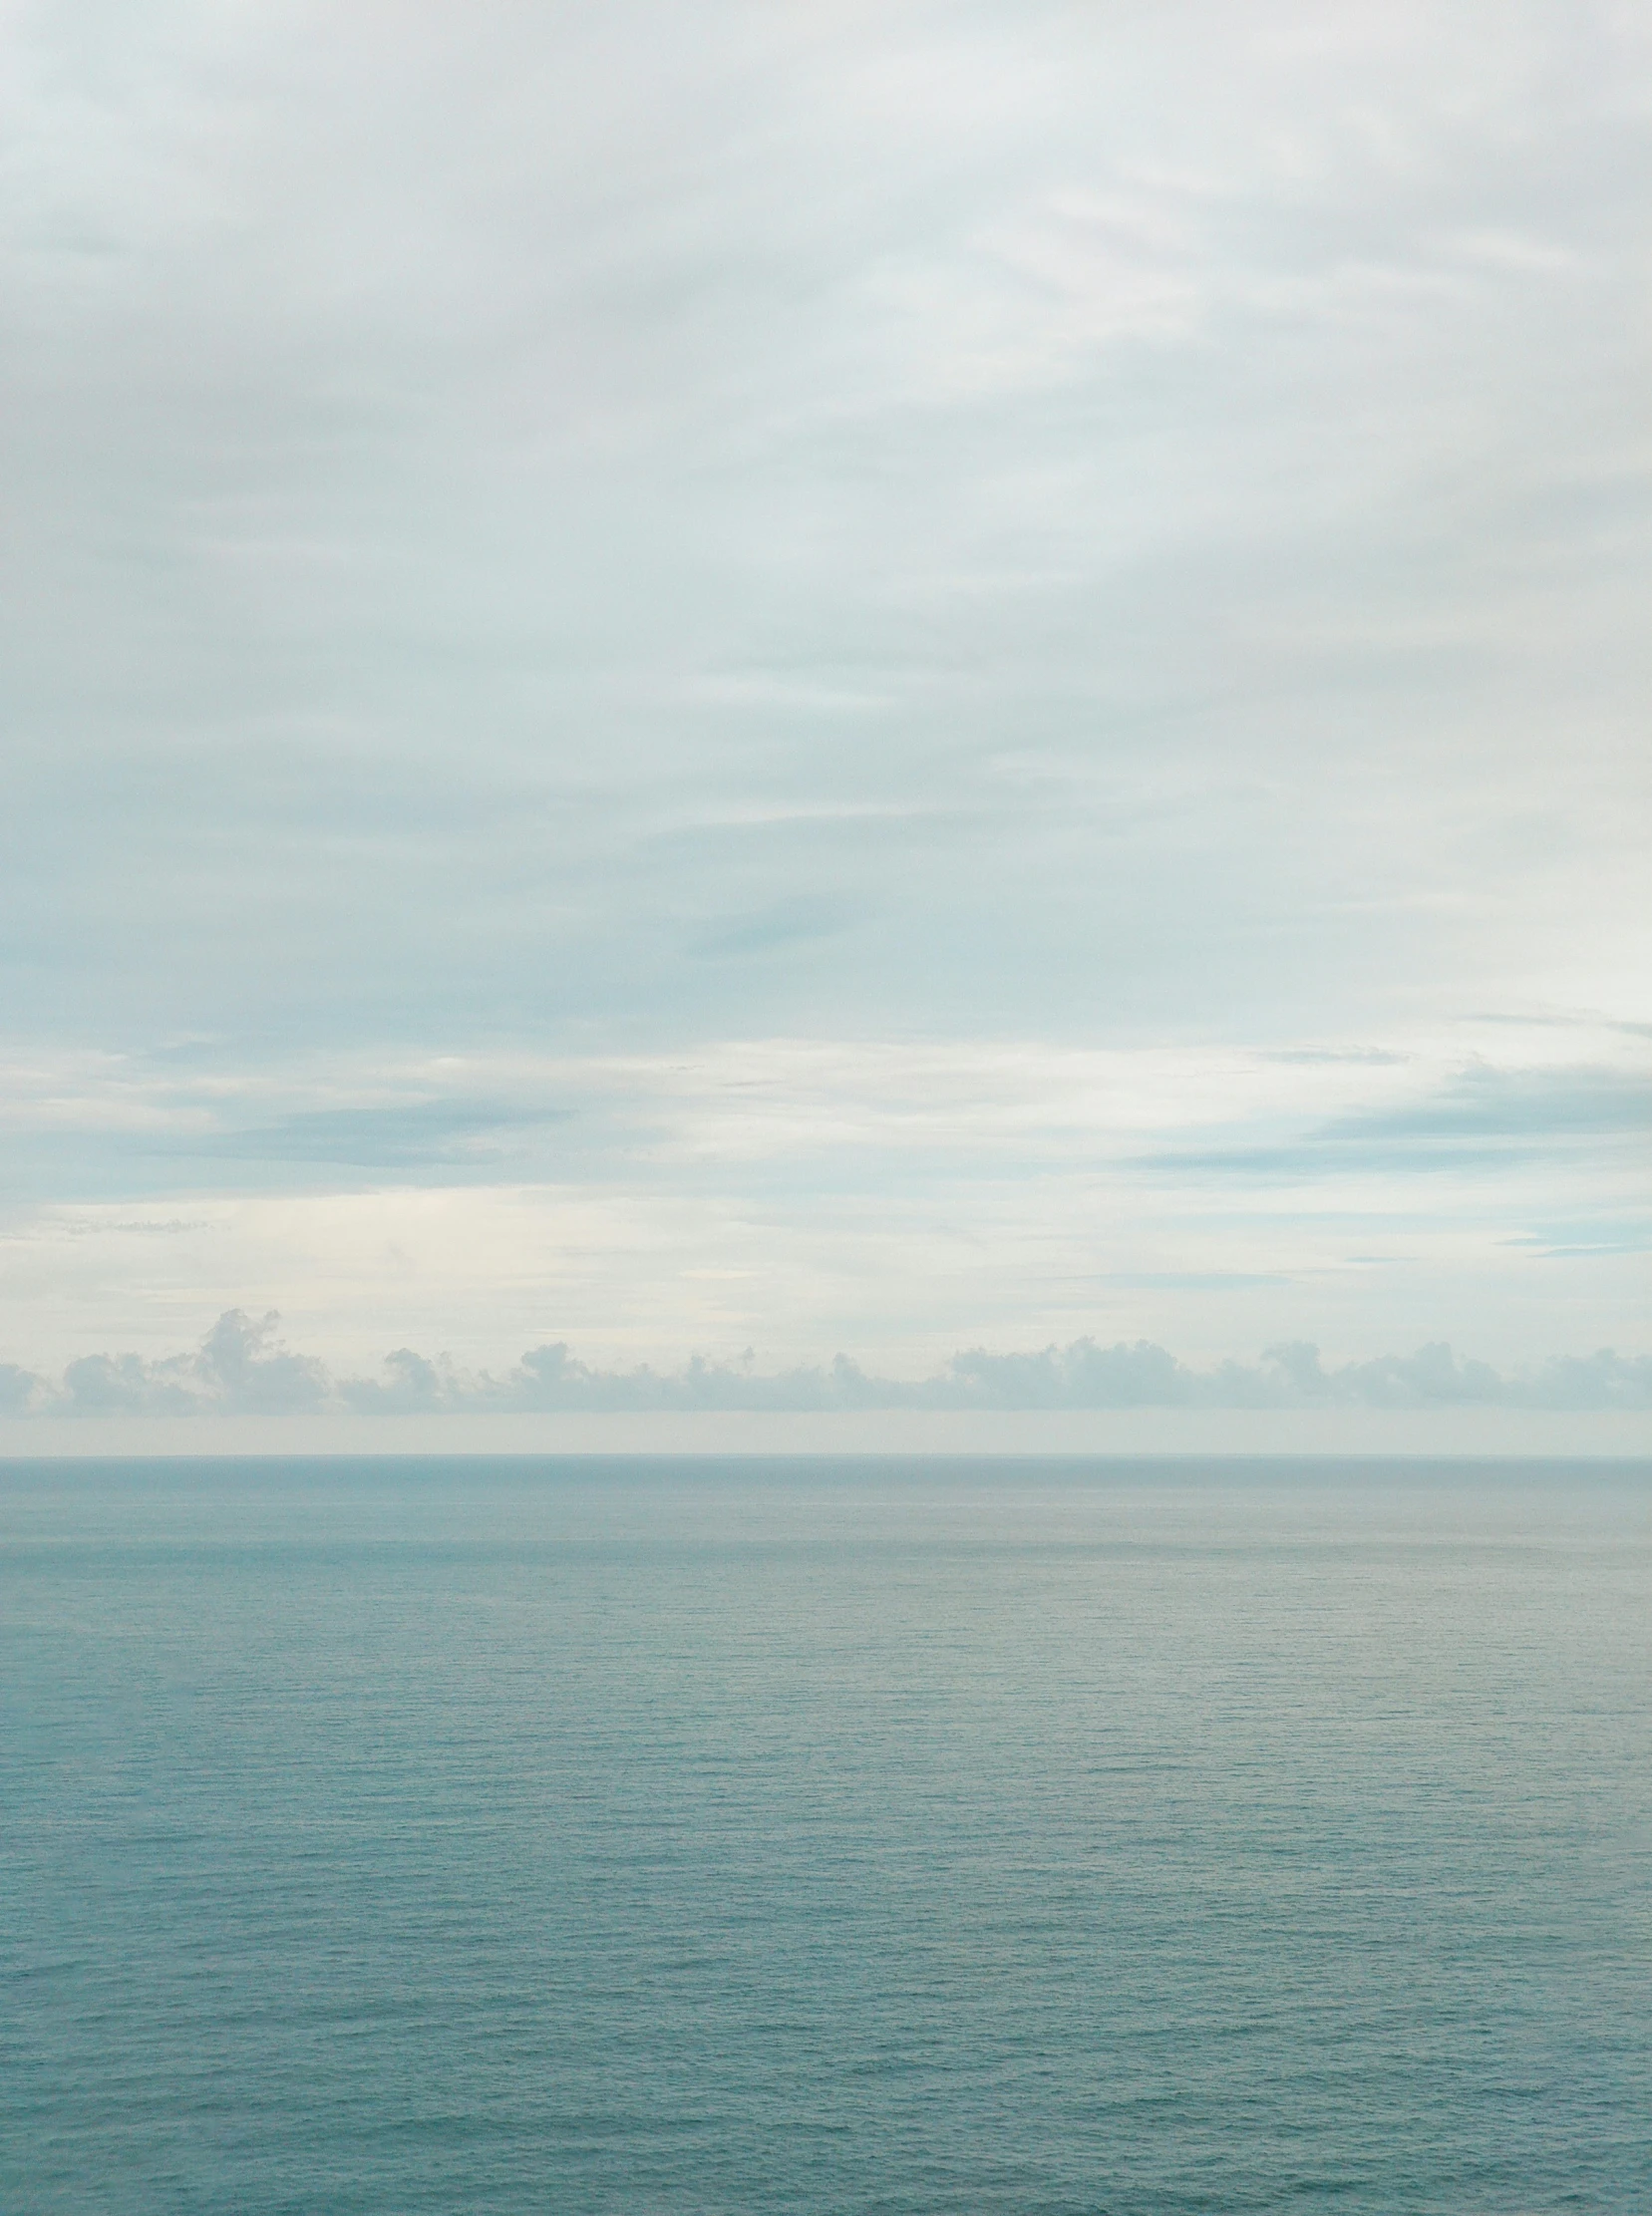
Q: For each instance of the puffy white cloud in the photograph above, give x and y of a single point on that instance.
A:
(240, 1369)
(19, 1388)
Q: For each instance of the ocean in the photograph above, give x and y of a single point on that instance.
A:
(913, 1837)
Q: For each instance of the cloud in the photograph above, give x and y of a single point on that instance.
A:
(241, 1369)
(241, 1366)
(974, 549)
(19, 1389)
(1478, 1121)
(411, 1385)
(409, 1137)
(452, 444)
(898, 1198)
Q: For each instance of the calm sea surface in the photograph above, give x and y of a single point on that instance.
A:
(652, 1837)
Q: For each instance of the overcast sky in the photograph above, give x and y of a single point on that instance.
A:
(813, 678)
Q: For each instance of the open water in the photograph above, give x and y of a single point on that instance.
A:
(662, 1838)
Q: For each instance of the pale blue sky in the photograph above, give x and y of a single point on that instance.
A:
(826, 679)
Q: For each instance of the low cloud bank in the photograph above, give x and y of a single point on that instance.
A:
(241, 1369)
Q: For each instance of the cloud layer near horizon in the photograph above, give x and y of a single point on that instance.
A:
(241, 1369)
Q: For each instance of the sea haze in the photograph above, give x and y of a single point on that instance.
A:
(910, 1837)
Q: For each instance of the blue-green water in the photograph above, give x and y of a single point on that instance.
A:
(667, 1839)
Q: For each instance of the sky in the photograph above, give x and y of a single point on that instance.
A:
(770, 682)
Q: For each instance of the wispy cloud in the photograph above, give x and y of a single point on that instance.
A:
(878, 675)
(1476, 1121)
(904, 1197)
